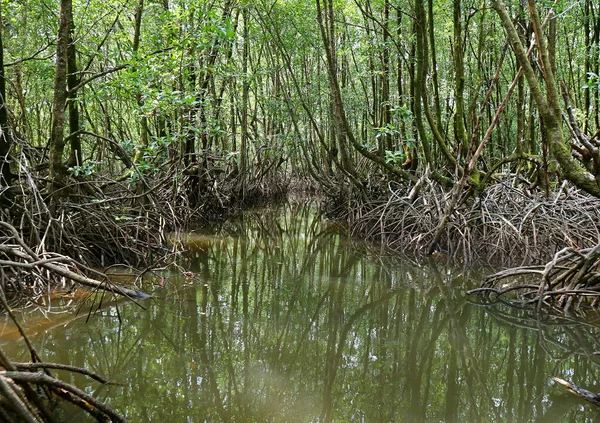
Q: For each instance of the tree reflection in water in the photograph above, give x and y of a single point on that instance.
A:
(286, 319)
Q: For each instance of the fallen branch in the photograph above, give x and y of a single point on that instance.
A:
(40, 378)
(59, 366)
(580, 392)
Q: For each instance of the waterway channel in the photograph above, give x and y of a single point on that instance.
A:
(284, 318)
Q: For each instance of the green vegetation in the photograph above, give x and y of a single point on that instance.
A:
(211, 105)
(346, 93)
(423, 123)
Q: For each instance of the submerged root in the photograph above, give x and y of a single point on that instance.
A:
(570, 281)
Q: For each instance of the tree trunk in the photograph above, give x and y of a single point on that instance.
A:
(139, 99)
(385, 115)
(437, 110)
(244, 108)
(459, 79)
(75, 158)
(596, 70)
(57, 140)
(548, 104)
(5, 135)
(587, 61)
(420, 73)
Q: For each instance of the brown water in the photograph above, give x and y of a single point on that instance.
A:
(285, 319)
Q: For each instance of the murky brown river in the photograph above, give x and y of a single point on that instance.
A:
(285, 319)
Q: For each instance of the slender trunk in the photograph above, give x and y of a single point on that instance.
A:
(587, 62)
(244, 107)
(342, 127)
(326, 26)
(386, 117)
(521, 146)
(75, 158)
(161, 118)
(57, 140)
(22, 119)
(552, 45)
(399, 70)
(232, 121)
(531, 125)
(420, 74)
(139, 97)
(596, 70)
(5, 135)
(520, 116)
(410, 160)
(459, 79)
(434, 71)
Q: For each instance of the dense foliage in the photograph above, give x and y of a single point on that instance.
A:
(352, 94)
(424, 123)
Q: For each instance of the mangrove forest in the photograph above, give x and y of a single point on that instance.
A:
(275, 210)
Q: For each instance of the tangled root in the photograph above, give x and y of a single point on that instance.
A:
(567, 283)
(504, 225)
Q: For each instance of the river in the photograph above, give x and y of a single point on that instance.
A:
(283, 318)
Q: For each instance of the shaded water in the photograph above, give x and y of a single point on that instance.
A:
(285, 319)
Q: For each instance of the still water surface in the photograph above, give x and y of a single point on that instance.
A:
(283, 318)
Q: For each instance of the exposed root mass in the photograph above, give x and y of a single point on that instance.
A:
(504, 225)
(568, 283)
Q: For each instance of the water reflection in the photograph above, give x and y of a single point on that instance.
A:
(284, 319)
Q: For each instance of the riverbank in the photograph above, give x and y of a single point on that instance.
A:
(505, 225)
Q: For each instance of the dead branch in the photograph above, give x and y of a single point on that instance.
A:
(40, 378)
(58, 265)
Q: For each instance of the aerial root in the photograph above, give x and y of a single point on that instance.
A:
(570, 281)
(507, 224)
(20, 263)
